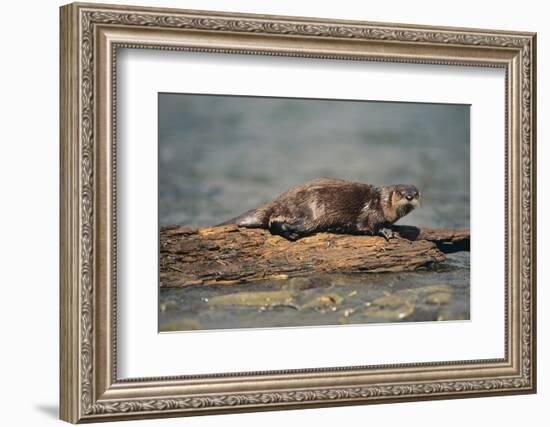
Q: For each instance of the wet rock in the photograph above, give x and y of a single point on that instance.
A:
(439, 298)
(446, 315)
(282, 307)
(424, 294)
(388, 301)
(253, 299)
(332, 298)
(389, 308)
(181, 325)
(348, 312)
(169, 305)
(432, 289)
(327, 301)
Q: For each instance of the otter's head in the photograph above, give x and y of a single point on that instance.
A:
(399, 200)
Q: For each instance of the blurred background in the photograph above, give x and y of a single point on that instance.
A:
(222, 155)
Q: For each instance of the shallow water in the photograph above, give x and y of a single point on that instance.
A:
(220, 156)
(323, 300)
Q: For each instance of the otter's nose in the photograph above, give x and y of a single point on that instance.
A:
(409, 197)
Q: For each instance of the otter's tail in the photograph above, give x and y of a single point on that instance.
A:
(248, 219)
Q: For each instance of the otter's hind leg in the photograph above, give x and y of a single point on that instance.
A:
(290, 231)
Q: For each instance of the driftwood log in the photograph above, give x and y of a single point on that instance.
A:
(230, 255)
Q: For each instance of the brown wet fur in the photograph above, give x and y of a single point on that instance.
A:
(332, 205)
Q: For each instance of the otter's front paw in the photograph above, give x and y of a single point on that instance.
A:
(288, 231)
(386, 233)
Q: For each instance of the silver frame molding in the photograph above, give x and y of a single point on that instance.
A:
(90, 37)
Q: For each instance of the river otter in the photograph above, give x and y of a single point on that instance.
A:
(333, 205)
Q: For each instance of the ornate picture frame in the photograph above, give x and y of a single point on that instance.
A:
(90, 37)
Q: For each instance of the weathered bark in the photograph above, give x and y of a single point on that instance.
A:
(230, 255)
(447, 241)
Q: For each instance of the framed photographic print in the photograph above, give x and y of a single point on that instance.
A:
(319, 270)
(266, 212)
